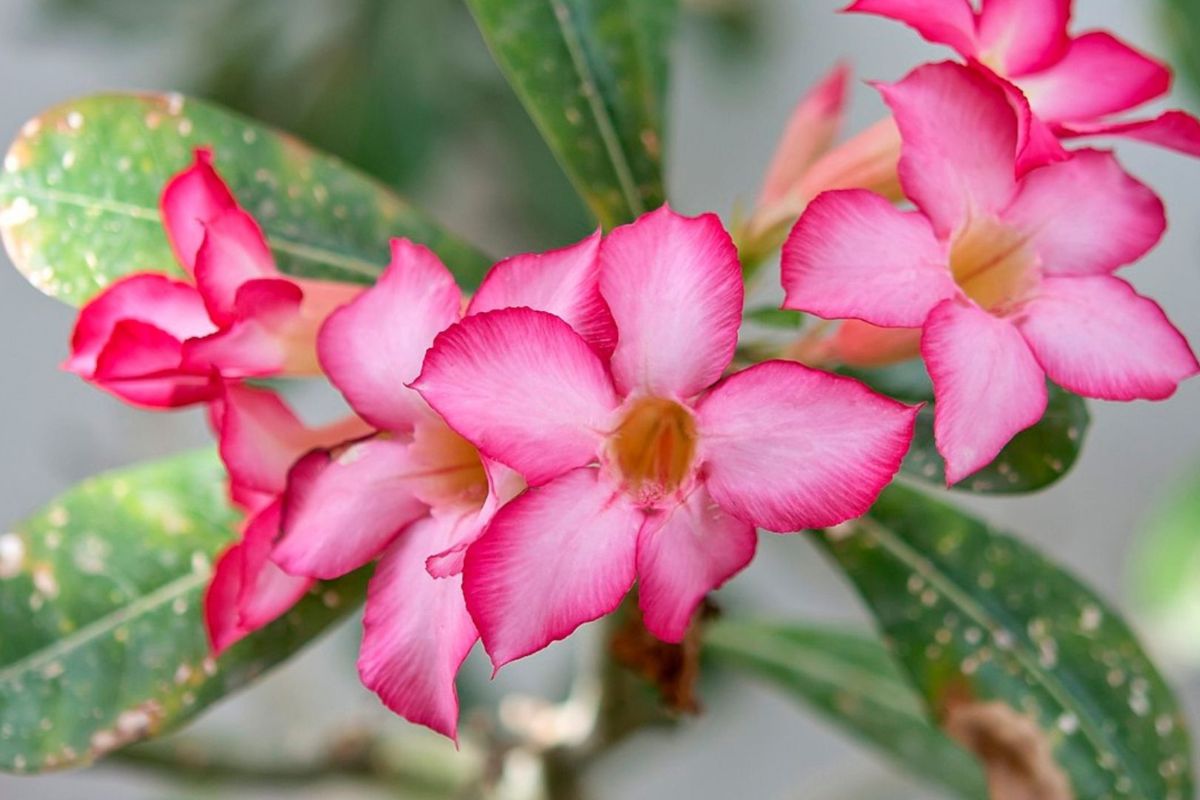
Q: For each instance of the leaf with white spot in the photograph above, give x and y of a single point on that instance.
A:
(1015, 657)
(80, 189)
(102, 640)
(593, 75)
(1036, 457)
(850, 679)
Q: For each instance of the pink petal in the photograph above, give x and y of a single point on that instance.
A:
(232, 252)
(1020, 36)
(266, 592)
(987, 384)
(222, 617)
(556, 557)
(261, 438)
(523, 387)
(948, 22)
(861, 344)
(171, 306)
(1099, 75)
(853, 254)
(674, 285)
(787, 447)
(1037, 143)
(190, 201)
(142, 365)
(960, 143)
(416, 630)
(565, 283)
(265, 339)
(503, 485)
(1095, 336)
(1175, 130)
(343, 508)
(373, 347)
(1087, 215)
(810, 131)
(683, 554)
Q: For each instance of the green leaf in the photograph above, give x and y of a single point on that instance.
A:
(1035, 458)
(593, 75)
(1181, 25)
(1165, 572)
(103, 641)
(80, 188)
(977, 617)
(851, 680)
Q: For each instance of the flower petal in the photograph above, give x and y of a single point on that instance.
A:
(416, 630)
(222, 617)
(1020, 36)
(143, 365)
(787, 447)
(173, 307)
(987, 385)
(556, 557)
(683, 554)
(1099, 75)
(266, 592)
(960, 143)
(1087, 215)
(189, 201)
(1095, 336)
(261, 438)
(342, 508)
(1174, 130)
(523, 387)
(811, 129)
(232, 252)
(266, 338)
(565, 283)
(373, 347)
(948, 22)
(674, 285)
(854, 254)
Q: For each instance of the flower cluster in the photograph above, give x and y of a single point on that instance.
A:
(512, 463)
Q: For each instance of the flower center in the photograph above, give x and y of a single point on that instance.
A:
(447, 469)
(653, 447)
(991, 263)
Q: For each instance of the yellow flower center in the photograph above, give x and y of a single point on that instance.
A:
(653, 448)
(992, 263)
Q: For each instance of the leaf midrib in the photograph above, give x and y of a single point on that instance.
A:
(151, 215)
(66, 645)
(1060, 693)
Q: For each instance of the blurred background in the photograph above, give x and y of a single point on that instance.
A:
(407, 91)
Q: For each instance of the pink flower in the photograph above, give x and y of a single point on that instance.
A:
(1071, 84)
(1010, 279)
(159, 342)
(260, 440)
(644, 463)
(415, 494)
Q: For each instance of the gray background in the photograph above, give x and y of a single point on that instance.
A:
(726, 116)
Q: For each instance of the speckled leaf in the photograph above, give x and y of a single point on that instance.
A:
(102, 637)
(593, 75)
(80, 188)
(852, 680)
(1035, 458)
(1008, 648)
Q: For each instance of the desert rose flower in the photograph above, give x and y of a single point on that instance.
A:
(1071, 84)
(162, 343)
(260, 439)
(416, 493)
(646, 463)
(1010, 279)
